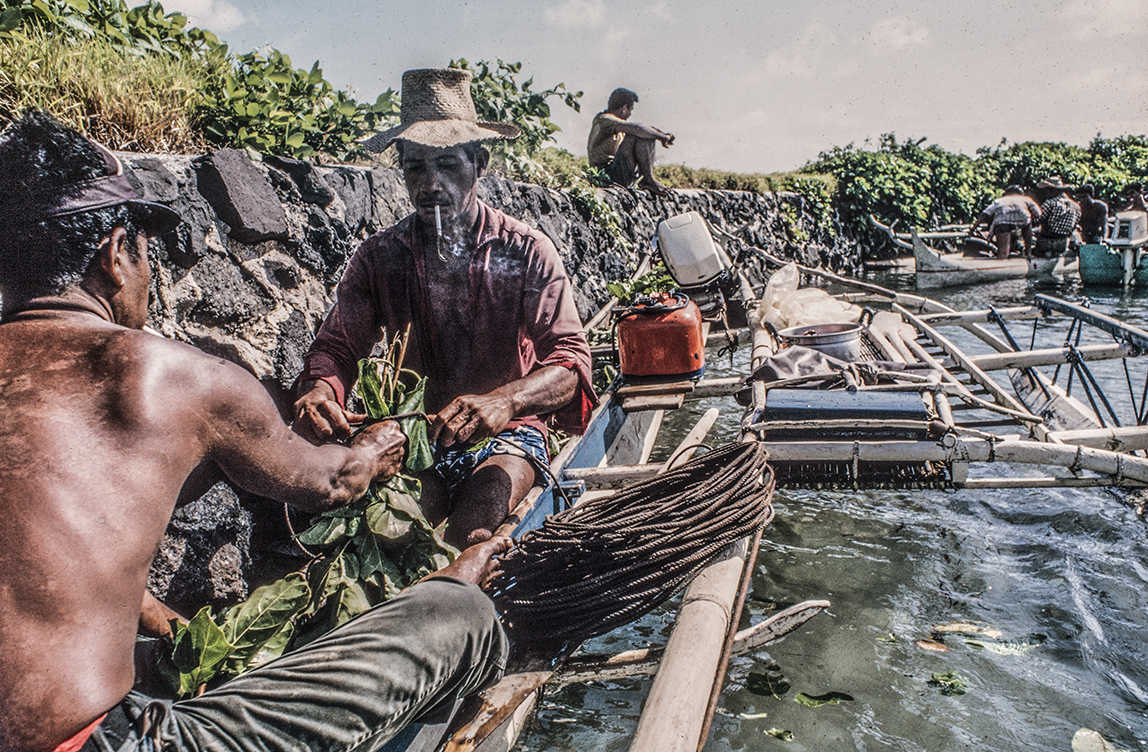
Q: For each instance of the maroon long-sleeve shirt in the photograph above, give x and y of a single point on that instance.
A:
(513, 314)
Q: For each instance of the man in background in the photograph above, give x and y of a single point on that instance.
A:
(1058, 217)
(1011, 213)
(1093, 215)
(623, 149)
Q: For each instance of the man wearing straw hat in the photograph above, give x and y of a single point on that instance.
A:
(490, 310)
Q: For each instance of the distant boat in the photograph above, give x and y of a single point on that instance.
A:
(937, 268)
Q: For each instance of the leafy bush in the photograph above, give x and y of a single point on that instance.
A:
(146, 103)
(910, 184)
(500, 97)
(256, 100)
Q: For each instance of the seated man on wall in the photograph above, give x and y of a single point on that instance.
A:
(623, 149)
(491, 313)
(103, 424)
(1058, 217)
(1012, 212)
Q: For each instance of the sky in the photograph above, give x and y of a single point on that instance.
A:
(751, 86)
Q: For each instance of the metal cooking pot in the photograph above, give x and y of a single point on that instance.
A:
(842, 341)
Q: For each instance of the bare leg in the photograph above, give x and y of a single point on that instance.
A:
(434, 500)
(644, 157)
(1004, 244)
(1027, 240)
(484, 499)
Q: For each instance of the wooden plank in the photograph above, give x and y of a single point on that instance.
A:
(669, 387)
(654, 402)
(613, 476)
(717, 387)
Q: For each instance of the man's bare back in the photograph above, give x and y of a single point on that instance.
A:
(102, 426)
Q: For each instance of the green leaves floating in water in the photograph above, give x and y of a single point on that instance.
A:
(950, 683)
(770, 683)
(816, 701)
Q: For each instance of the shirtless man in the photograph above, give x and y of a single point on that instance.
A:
(1011, 212)
(103, 423)
(623, 149)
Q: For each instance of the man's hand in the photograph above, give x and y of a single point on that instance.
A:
(667, 140)
(477, 564)
(471, 417)
(388, 443)
(319, 417)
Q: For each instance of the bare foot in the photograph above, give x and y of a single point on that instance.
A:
(477, 564)
(656, 188)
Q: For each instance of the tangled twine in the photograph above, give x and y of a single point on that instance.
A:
(606, 562)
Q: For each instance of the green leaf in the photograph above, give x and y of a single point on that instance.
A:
(950, 683)
(273, 647)
(324, 532)
(771, 683)
(816, 701)
(198, 651)
(349, 601)
(370, 388)
(251, 624)
(10, 19)
(389, 526)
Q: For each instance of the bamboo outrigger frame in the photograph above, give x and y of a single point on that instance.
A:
(975, 423)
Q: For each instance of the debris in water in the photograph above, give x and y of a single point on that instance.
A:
(1087, 740)
(963, 627)
(752, 716)
(816, 701)
(950, 683)
(784, 735)
(932, 645)
(889, 637)
(1003, 648)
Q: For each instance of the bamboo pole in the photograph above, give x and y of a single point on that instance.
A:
(1049, 356)
(678, 708)
(961, 318)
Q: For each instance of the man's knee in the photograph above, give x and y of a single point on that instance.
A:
(457, 606)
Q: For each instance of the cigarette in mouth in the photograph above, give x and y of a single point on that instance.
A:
(438, 232)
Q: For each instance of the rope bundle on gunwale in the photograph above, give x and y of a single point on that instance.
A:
(606, 562)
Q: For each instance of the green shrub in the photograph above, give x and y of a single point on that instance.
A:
(128, 102)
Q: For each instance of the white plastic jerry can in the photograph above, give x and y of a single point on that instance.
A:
(689, 250)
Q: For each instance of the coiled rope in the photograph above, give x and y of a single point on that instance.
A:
(606, 562)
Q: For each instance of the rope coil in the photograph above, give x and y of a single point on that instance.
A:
(608, 561)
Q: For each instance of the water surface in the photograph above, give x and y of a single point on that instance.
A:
(1060, 573)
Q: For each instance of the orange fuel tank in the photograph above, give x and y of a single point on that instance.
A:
(660, 336)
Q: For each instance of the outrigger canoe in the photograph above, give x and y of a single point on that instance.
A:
(932, 415)
(937, 268)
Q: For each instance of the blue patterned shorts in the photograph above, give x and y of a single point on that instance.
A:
(455, 464)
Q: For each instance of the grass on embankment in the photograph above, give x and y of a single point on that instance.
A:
(130, 102)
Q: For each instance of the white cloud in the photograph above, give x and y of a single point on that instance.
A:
(802, 57)
(1085, 18)
(572, 14)
(896, 34)
(661, 11)
(214, 15)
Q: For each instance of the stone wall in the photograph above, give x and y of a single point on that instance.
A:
(250, 274)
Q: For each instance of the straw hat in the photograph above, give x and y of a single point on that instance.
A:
(437, 110)
(1053, 184)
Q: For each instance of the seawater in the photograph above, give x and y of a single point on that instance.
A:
(1061, 573)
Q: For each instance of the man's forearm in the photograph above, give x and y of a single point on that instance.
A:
(542, 391)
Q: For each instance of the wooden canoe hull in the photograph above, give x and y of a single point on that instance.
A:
(936, 270)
